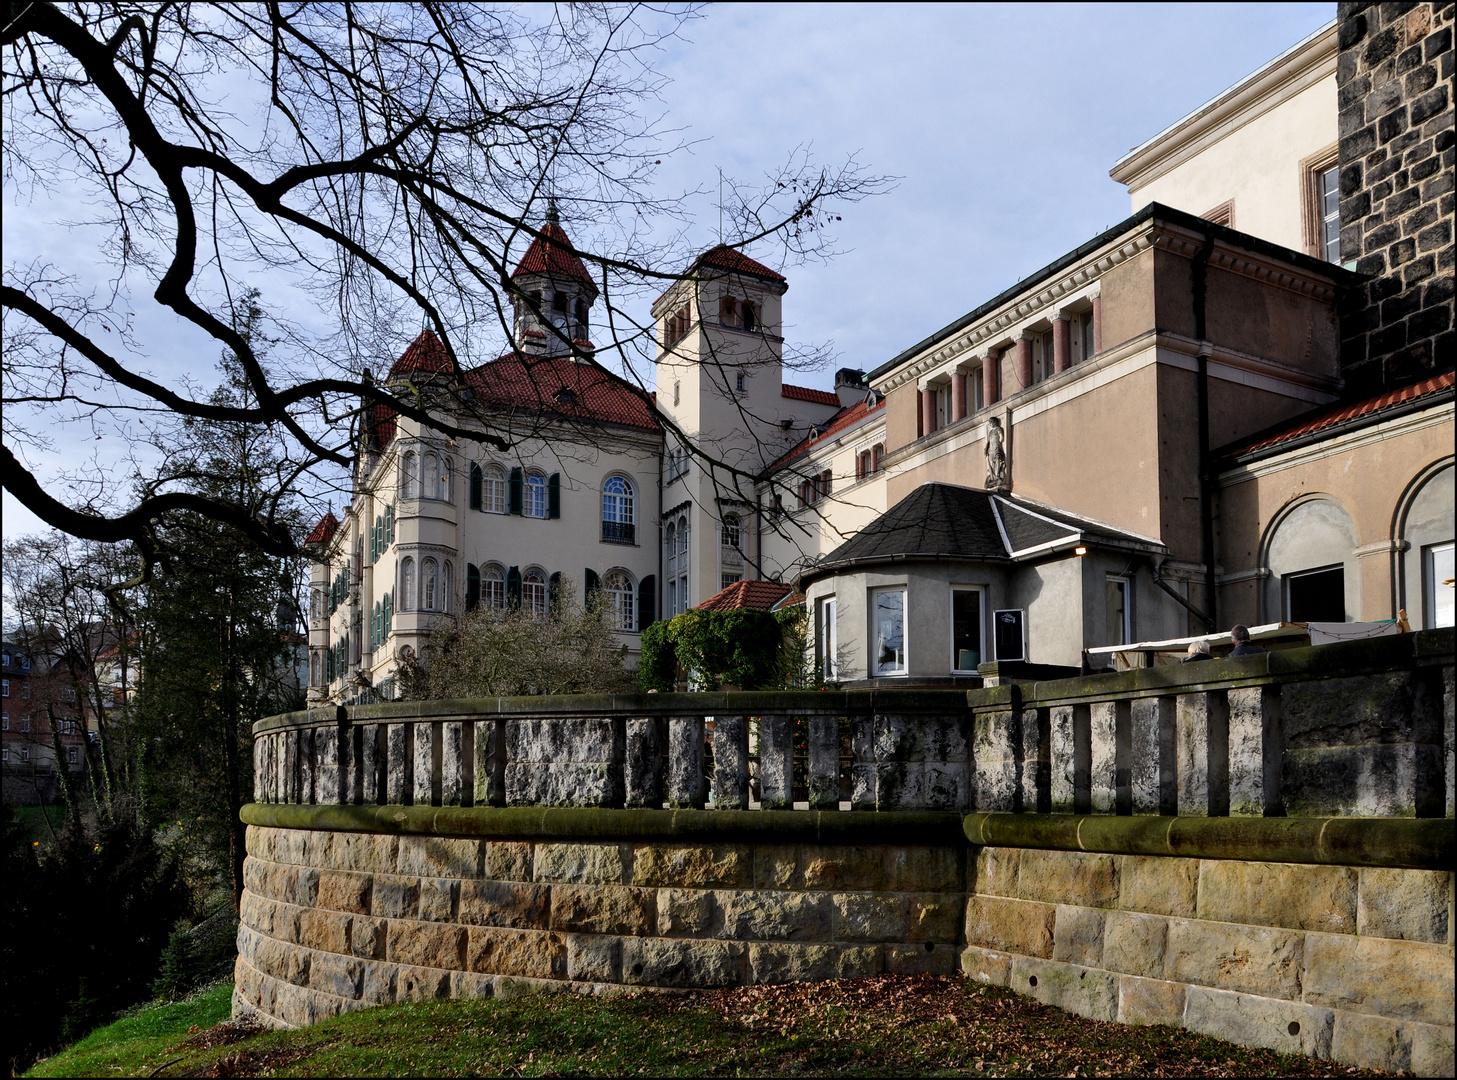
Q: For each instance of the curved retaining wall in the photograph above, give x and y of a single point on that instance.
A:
(334, 921)
(1329, 937)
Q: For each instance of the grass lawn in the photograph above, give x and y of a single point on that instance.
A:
(890, 1025)
(32, 821)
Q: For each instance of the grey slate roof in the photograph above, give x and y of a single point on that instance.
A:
(944, 521)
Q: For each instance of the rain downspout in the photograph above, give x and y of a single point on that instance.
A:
(1199, 288)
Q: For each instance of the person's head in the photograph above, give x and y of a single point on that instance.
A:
(1198, 648)
(1240, 634)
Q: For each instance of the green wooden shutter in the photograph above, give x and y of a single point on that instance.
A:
(647, 602)
(476, 481)
(554, 496)
(513, 587)
(516, 492)
(472, 586)
(389, 613)
(389, 525)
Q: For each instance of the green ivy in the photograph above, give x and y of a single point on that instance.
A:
(722, 648)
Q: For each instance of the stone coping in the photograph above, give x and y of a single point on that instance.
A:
(595, 823)
(1343, 659)
(1411, 843)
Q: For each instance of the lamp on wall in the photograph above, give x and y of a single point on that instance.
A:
(1081, 549)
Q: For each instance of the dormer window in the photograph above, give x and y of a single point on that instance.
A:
(565, 396)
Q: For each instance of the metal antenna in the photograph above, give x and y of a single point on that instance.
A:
(720, 205)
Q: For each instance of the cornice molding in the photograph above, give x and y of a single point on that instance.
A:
(1297, 69)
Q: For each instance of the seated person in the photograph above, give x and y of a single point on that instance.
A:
(1240, 634)
(1198, 650)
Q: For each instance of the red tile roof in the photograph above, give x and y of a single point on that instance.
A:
(846, 417)
(382, 425)
(1342, 414)
(552, 253)
(425, 353)
(723, 257)
(561, 386)
(324, 531)
(806, 393)
(754, 595)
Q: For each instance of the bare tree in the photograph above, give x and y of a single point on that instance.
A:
(388, 164)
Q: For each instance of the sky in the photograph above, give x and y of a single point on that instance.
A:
(1000, 123)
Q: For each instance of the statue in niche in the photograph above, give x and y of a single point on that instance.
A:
(996, 453)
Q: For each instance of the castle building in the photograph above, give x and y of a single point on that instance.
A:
(1234, 406)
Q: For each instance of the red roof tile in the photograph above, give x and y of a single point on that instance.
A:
(552, 253)
(560, 385)
(1343, 413)
(324, 531)
(723, 257)
(425, 353)
(846, 417)
(382, 424)
(754, 595)
(806, 393)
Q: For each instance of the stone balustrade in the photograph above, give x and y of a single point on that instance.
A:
(1356, 729)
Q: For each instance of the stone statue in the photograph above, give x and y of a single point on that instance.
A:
(996, 457)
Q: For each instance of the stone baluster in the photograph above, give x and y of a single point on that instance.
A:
(260, 768)
(305, 766)
(490, 763)
(776, 762)
(1070, 758)
(424, 755)
(685, 763)
(326, 780)
(452, 763)
(1034, 795)
(1110, 751)
(994, 753)
(1151, 765)
(863, 763)
(642, 760)
(1255, 751)
(824, 762)
(731, 763)
(280, 775)
(1203, 753)
(291, 766)
(397, 763)
(369, 764)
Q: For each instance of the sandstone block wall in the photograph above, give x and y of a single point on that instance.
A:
(1349, 963)
(334, 921)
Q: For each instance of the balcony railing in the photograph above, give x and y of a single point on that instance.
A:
(619, 532)
(1353, 728)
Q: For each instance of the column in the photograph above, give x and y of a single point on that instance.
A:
(490, 763)
(994, 750)
(928, 410)
(1097, 324)
(776, 763)
(1152, 762)
(989, 381)
(685, 763)
(1024, 361)
(1108, 757)
(731, 763)
(452, 762)
(641, 757)
(397, 763)
(1061, 347)
(424, 786)
(1254, 751)
(1070, 758)
(958, 396)
(369, 764)
(824, 762)
(1203, 753)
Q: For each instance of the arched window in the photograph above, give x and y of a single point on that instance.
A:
(444, 480)
(534, 504)
(493, 586)
(408, 476)
(316, 605)
(429, 476)
(732, 532)
(677, 576)
(428, 585)
(618, 512)
(493, 489)
(447, 587)
(622, 596)
(670, 599)
(407, 584)
(533, 592)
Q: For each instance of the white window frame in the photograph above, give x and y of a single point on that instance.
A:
(535, 589)
(1430, 584)
(877, 668)
(621, 589)
(827, 638)
(981, 592)
(534, 495)
(1127, 582)
(493, 489)
(493, 586)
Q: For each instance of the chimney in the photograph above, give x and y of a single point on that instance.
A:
(850, 386)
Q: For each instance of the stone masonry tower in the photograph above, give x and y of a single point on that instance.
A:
(1394, 79)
